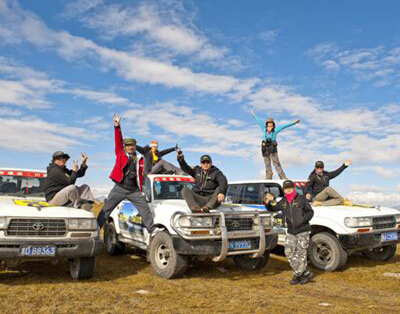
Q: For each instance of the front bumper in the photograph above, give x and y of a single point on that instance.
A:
(213, 248)
(66, 248)
(366, 241)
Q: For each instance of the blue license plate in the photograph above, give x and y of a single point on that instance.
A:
(390, 236)
(239, 245)
(38, 251)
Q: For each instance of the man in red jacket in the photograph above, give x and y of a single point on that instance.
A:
(128, 177)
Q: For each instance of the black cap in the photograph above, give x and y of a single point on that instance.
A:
(288, 184)
(319, 164)
(205, 158)
(60, 154)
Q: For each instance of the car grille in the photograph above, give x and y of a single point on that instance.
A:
(37, 227)
(239, 223)
(384, 222)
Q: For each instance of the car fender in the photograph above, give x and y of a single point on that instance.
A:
(329, 223)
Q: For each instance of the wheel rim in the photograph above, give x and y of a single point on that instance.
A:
(162, 255)
(322, 253)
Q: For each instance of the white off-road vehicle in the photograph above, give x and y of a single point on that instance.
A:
(31, 230)
(247, 236)
(336, 231)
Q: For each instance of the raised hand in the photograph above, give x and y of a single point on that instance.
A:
(253, 112)
(75, 166)
(84, 159)
(268, 198)
(298, 121)
(348, 163)
(117, 120)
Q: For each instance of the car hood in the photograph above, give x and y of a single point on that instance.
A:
(174, 206)
(9, 208)
(353, 211)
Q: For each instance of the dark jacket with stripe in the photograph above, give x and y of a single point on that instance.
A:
(316, 183)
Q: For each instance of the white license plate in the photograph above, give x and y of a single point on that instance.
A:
(390, 236)
(38, 251)
(239, 245)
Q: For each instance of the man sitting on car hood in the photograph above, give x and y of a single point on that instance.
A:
(210, 185)
(60, 188)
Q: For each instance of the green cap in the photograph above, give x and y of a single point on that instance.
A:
(129, 141)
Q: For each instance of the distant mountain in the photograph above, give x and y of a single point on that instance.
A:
(397, 207)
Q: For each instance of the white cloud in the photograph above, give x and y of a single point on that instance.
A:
(28, 27)
(78, 7)
(269, 36)
(378, 64)
(5, 111)
(369, 194)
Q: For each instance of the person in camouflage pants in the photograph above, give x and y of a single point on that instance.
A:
(297, 212)
(296, 251)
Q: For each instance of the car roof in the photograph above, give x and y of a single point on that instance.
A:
(23, 172)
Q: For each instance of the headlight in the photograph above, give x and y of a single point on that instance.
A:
(355, 222)
(266, 221)
(397, 218)
(3, 222)
(195, 222)
(82, 224)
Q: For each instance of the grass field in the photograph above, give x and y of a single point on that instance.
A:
(126, 284)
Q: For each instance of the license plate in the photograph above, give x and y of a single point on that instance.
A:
(38, 251)
(239, 245)
(391, 236)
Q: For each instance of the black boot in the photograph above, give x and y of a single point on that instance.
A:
(295, 280)
(306, 277)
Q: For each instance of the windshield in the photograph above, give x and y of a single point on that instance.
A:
(170, 190)
(21, 186)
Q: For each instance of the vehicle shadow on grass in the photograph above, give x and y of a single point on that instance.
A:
(229, 270)
(107, 268)
(358, 260)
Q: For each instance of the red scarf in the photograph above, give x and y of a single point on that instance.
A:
(290, 197)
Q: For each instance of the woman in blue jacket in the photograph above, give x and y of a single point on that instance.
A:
(269, 146)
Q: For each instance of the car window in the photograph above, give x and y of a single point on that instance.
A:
(170, 189)
(251, 194)
(234, 194)
(21, 186)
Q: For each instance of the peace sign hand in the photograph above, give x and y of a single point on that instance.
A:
(84, 159)
(117, 120)
(75, 166)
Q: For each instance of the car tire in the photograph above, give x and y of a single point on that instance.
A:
(82, 267)
(245, 262)
(112, 245)
(381, 254)
(325, 252)
(166, 262)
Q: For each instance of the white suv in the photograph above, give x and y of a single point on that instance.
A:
(31, 230)
(228, 231)
(336, 231)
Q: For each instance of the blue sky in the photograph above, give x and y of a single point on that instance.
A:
(189, 72)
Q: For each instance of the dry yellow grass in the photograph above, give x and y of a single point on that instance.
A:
(126, 284)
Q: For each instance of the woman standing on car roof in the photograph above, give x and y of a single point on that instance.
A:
(269, 146)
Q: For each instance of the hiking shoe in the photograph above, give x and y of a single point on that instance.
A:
(156, 230)
(316, 203)
(295, 280)
(306, 277)
(347, 202)
(205, 210)
(86, 206)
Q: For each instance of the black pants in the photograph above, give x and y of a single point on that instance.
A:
(117, 195)
(196, 201)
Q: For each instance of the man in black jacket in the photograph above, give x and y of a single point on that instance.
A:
(60, 188)
(297, 212)
(318, 189)
(210, 185)
(154, 163)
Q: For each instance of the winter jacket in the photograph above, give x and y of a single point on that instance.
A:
(298, 213)
(206, 183)
(316, 183)
(272, 136)
(58, 178)
(148, 158)
(117, 174)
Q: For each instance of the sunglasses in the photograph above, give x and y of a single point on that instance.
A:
(206, 162)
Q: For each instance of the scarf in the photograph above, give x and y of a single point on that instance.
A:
(290, 197)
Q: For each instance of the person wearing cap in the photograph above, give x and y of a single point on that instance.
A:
(60, 188)
(297, 212)
(269, 146)
(154, 163)
(127, 174)
(318, 189)
(210, 185)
